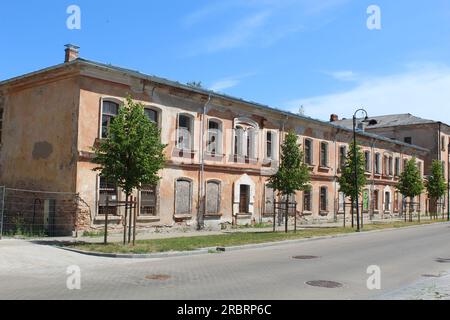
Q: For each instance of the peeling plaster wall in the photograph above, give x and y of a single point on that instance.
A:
(39, 136)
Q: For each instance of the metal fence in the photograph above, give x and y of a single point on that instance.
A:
(37, 213)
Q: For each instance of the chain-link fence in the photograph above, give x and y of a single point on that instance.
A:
(37, 213)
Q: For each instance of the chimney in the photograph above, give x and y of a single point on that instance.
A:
(72, 53)
(334, 118)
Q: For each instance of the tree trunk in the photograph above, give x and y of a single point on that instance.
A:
(130, 219)
(125, 221)
(353, 212)
(287, 215)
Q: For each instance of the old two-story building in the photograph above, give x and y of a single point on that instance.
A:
(430, 134)
(220, 152)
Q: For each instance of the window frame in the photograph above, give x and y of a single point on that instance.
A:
(191, 194)
(219, 136)
(116, 211)
(219, 197)
(191, 131)
(157, 211)
(308, 194)
(324, 154)
(115, 101)
(368, 161)
(309, 151)
(321, 195)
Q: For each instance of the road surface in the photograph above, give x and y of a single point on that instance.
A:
(406, 257)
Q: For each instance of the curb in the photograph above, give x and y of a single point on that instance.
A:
(234, 248)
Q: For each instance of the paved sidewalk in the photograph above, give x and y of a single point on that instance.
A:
(431, 287)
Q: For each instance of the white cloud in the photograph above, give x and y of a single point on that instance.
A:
(265, 23)
(422, 90)
(229, 82)
(239, 34)
(344, 75)
(224, 84)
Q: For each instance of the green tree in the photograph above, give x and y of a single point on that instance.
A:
(133, 154)
(436, 185)
(293, 174)
(347, 179)
(411, 184)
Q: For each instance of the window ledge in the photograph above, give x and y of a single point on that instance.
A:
(307, 213)
(111, 218)
(213, 215)
(183, 216)
(243, 215)
(324, 213)
(144, 219)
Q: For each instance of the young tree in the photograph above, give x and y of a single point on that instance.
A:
(347, 179)
(436, 185)
(293, 174)
(411, 183)
(133, 154)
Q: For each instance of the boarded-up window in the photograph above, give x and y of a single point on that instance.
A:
(148, 201)
(213, 197)
(183, 194)
(269, 200)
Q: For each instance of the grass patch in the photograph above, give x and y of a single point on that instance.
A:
(229, 240)
(93, 234)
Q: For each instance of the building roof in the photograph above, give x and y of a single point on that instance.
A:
(393, 120)
(210, 93)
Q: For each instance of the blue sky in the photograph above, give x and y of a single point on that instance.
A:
(285, 53)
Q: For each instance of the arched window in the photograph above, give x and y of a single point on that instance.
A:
(213, 196)
(110, 110)
(246, 138)
(183, 196)
(214, 143)
(185, 132)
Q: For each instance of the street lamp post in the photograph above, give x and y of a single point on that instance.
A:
(355, 160)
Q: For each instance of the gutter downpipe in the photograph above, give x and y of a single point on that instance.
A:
(202, 207)
(372, 192)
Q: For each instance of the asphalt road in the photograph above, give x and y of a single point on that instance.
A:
(30, 271)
